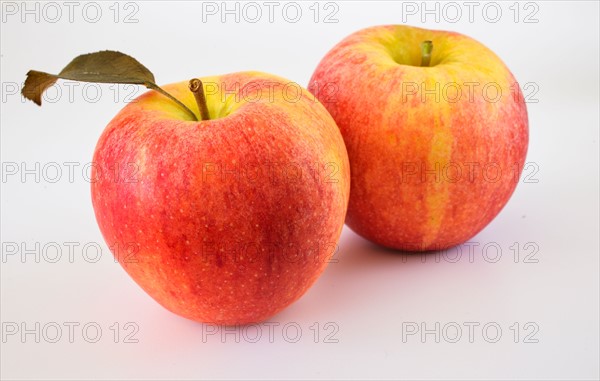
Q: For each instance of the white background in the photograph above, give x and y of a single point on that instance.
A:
(371, 295)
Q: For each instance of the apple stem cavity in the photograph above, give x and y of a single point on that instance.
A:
(197, 88)
(426, 49)
(179, 103)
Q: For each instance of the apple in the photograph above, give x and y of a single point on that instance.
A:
(230, 218)
(436, 130)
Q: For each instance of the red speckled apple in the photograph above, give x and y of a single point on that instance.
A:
(436, 139)
(226, 220)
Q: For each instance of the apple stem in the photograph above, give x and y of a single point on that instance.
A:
(426, 48)
(197, 88)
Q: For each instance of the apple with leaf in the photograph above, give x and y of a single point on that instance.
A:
(233, 201)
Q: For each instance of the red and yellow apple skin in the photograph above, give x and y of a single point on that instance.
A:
(399, 136)
(228, 220)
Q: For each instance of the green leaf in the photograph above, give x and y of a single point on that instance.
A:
(100, 67)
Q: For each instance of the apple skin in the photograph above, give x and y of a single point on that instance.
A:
(223, 221)
(373, 86)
